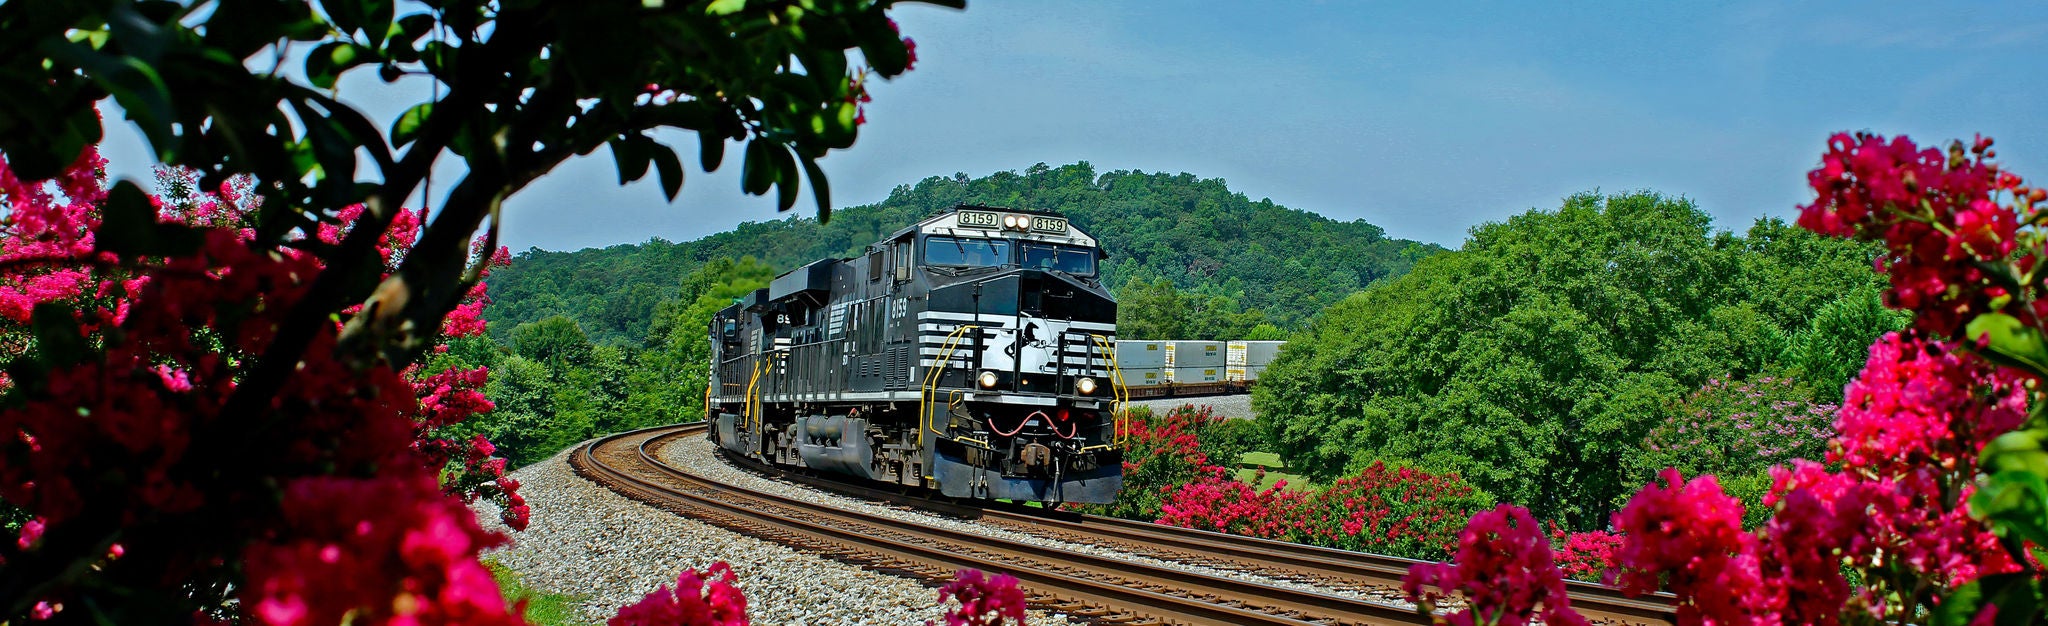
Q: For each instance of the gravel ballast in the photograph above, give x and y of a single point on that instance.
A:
(697, 456)
(1238, 406)
(588, 542)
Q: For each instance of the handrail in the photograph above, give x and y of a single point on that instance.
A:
(750, 410)
(1120, 395)
(931, 381)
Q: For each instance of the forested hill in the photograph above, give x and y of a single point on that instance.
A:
(1277, 263)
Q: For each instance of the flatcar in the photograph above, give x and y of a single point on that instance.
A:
(971, 354)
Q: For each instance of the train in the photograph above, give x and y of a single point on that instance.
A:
(971, 354)
(1150, 369)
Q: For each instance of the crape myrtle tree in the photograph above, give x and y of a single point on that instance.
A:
(227, 438)
(1930, 504)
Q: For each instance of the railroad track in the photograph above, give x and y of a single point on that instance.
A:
(1083, 585)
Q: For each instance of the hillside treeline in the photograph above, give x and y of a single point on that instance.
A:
(1559, 358)
(554, 386)
(1190, 246)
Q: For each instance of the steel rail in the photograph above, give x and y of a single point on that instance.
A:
(1600, 603)
(1135, 589)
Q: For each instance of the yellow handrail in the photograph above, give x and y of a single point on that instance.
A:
(931, 382)
(750, 410)
(1120, 395)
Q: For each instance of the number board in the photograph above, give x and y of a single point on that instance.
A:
(1049, 224)
(980, 219)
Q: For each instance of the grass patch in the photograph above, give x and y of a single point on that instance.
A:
(1295, 482)
(1247, 472)
(542, 608)
(1267, 460)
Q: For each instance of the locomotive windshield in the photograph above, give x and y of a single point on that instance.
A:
(968, 252)
(1070, 259)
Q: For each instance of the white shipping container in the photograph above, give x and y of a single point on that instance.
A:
(1197, 354)
(1239, 373)
(1243, 353)
(1182, 375)
(1144, 377)
(1132, 355)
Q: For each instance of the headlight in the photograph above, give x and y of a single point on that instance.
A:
(1086, 386)
(988, 380)
(1010, 221)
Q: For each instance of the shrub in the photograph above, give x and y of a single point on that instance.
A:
(1163, 452)
(1382, 510)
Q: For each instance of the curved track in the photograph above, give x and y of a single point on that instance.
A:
(1083, 585)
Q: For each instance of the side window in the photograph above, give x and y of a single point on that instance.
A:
(875, 265)
(902, 259)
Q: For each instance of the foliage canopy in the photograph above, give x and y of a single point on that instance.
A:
(1532, 360)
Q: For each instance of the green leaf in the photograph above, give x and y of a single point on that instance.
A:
(335, 149)
(59, 342)
(820, 190)
(671, 169)
(630, 153)
(411, 28)
(328, 61)
(2017, 597)
(2008, 340)
(725, 7)
(345, 15)
(785, 177)
(407, 126)
(377, 15)
(129, 227)
(757, 171)
(2016, 451)
(2016, 503)
(711, 149)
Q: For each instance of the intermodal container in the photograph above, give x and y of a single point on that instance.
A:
(1137, 355)
(1203, 354)
(1253, 353)
(1185, 375)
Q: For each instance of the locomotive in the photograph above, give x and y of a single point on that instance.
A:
(972, 353)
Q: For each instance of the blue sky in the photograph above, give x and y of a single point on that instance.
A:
(1423, 118)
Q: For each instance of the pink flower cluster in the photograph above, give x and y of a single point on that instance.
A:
(1587, 556)
(979, 599)
(1689, 535)
(1921, 403)
(1502, 570)
(1742, 427)
(408, 560)
(1382, 510)
(710, 597)
(1162, 455)
(47, 229)
(121, 425)
(1936, 212)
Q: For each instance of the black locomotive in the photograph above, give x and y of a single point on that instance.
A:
(971, 353)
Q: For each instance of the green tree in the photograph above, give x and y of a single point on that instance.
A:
(557, 342)
(1833, 347)
(1151, 310)
(1536, 357)
(669, 381)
